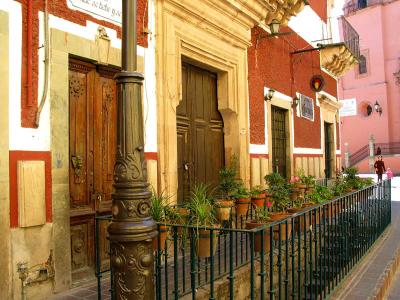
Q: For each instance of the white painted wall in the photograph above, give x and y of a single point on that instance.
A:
(39, 139)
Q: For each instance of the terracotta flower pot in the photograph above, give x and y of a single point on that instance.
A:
(258, 236)
(277, 217)
(241, 207)
(293, 210)
(302, 223)
(203, 242)
(223, 209)
(163, 232)
(294, 194)
(260, 200)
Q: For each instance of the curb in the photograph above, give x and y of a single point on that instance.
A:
(386, 278)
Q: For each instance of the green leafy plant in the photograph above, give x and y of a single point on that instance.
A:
(309, 180)
(351, 173)
(352, 180)
(339, 187)
(201, 206)
(320, 195)
(279, 190)
(241, 192)
(262, 215)
(257, 190)
(159, 207)
(227, 179)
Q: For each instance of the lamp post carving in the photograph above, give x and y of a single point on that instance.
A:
(132, 228)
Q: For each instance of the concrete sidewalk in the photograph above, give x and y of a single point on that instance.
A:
(373, 275)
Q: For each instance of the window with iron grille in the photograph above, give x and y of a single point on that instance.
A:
(362, 65)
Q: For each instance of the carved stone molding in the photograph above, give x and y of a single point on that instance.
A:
(337, 59)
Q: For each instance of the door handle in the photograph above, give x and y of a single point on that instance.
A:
(186, 166)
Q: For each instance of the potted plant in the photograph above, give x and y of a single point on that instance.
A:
(242, 201)
(158, 212)
(261, 219)
(309, 182)
(279, 190)
(227, 186)
(352, 180)
(202, 215)
(300, 184)
(295, 191)
(259, 197)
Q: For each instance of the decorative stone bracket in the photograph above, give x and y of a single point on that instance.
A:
(337, 59)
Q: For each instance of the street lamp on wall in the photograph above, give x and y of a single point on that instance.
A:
(378, 108)
(269, 95)
(295, 102)
(274, 26)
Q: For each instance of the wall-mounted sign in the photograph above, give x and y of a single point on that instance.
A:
(110, 10)
(307, 107)
(317, 83)
(349, 108)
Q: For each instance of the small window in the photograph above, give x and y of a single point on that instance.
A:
(362, 65)
(362, 3)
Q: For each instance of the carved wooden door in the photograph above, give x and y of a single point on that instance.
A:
(199, 131)
(92, 116)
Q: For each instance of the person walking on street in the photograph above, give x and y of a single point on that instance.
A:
(379, 168)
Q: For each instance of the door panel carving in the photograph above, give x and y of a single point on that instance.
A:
(81, 247)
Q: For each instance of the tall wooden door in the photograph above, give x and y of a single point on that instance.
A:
(279, 140)
(328, 149)
(92, 143)
(199, 131)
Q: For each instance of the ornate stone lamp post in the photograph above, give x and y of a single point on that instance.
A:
(132, 229)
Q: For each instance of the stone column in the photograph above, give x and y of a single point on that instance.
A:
(372, 153)
(346, 155)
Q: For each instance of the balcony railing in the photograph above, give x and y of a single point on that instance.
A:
(304, 256)
(355, 5)
(350, 37)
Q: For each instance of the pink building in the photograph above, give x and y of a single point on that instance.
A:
(371, 92)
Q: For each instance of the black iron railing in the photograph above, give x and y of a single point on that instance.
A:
(359, 155)
(355, 5)
(350, 37)
(392, 148)
(304, 256)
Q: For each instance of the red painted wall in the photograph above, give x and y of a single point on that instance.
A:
(60, 9)
(272, 65)
(320, 7)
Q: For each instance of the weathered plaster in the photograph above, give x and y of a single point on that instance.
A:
(5, 257)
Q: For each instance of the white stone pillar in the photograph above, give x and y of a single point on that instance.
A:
(371, 153)
(346, 155)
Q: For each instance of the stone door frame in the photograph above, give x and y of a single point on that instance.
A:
(179, 37)
(63, 46)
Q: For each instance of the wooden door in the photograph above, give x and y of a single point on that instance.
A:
(328, 149)
(92, 120)
(200, 137)
(279, 140)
